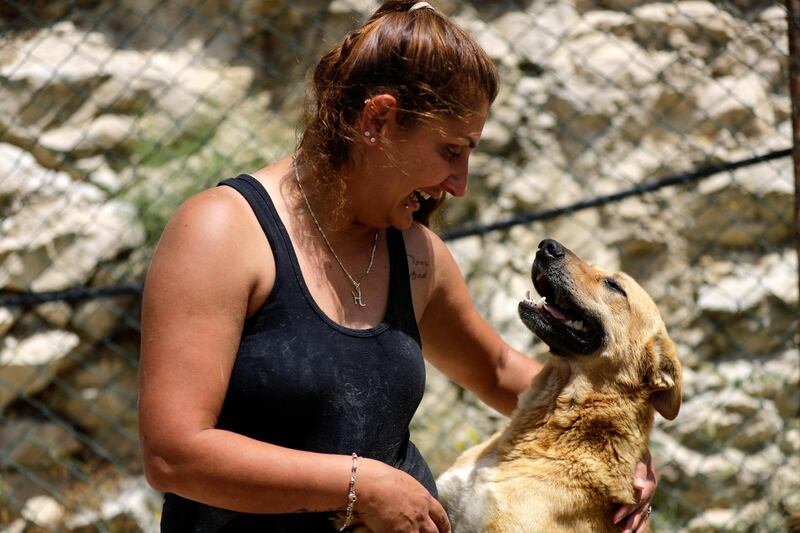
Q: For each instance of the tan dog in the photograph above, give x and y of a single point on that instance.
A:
(571, 447)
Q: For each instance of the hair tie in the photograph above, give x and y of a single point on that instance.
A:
(420, 5)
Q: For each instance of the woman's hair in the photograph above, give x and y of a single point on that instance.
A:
(432, 66)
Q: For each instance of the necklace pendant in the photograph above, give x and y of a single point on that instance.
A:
(357, 297)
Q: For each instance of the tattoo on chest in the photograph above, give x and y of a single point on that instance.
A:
(417, 268)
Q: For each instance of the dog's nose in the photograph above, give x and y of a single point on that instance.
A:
(550, 249)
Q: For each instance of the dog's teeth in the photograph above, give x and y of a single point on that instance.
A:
(540, 303)
(577, 325)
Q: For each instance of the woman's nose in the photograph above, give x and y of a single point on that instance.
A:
(456, 184)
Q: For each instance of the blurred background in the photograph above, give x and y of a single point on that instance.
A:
(651, 137)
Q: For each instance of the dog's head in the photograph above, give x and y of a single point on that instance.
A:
(605, 323)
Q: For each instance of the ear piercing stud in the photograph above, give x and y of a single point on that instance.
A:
(367, 134)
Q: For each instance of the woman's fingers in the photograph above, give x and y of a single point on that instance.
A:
(439, 517)
(392, 501)
(643, 523)
(429, 527)
(637, 521)
(635, 516)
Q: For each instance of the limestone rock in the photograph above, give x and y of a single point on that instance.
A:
(131, 506)
(696, 19)
(7, 320)
(28, 365)
(25, 179)
(779, 380)
(784, 485)
(102, 175)
(36, 444)
(518, 29)
(712, 520)
(55, 313)
(773, 277)
(51, 253)
(735, 103)
(47, 64)
(99, 396)
(729, 417)
(43, 511)
(104, 134)
(758, 197)
(496, 137)
(17, 526)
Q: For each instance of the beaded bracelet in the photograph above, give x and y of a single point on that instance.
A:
(351, 493)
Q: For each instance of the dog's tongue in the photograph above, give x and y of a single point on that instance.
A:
(555, 312)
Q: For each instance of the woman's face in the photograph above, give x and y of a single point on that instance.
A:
(429, 159)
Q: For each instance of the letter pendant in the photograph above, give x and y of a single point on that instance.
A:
(357, 297)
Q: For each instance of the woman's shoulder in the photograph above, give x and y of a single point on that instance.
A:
(212, 206)
(422, 241)
(215, 223)
(215, 216)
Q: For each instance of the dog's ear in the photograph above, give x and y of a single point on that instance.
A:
(663, 378)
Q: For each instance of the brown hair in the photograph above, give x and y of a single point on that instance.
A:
(431, 65)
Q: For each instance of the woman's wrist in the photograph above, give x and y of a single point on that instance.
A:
(369, 472)
(351, 492)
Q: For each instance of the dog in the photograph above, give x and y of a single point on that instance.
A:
(570, 448)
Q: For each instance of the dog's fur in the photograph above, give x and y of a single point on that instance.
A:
(570, 449)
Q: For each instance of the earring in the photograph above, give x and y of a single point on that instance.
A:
(366, 134)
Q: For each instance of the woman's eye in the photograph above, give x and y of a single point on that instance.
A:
(616, 287)
(454, 153)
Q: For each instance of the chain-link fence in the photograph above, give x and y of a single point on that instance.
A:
(652, 137)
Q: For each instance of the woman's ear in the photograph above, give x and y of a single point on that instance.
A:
(379, 112)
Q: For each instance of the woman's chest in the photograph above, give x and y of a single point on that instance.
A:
(309, 390)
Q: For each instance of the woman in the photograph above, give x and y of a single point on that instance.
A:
(282, 323)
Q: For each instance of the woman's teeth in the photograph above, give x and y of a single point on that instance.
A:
(420, 196)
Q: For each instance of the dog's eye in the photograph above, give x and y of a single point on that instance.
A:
(614, 286)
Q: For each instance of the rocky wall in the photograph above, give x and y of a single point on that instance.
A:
(112, 112)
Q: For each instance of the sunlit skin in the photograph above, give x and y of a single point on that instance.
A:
(195, 305)
(433, 157)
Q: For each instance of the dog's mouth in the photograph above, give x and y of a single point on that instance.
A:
(557, 319)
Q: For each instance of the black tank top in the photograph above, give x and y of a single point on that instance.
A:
(302, 381)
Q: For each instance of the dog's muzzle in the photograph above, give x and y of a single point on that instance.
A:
(558, 318)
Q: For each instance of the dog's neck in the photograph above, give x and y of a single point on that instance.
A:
(604, 432)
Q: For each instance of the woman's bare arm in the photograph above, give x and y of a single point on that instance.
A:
(196, 299)
(458, 341)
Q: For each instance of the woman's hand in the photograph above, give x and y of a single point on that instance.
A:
(635, 515)
(389, 501)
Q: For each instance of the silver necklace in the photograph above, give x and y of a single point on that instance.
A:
(356, 292)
